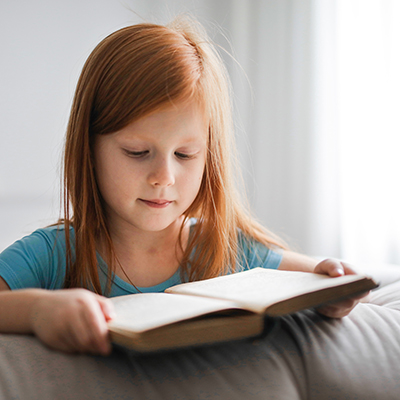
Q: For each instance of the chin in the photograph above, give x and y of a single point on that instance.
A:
(156, 226)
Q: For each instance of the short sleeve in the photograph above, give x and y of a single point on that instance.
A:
(35, 261)
(253, 254)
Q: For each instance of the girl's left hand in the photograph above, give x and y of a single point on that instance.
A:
(339, 309)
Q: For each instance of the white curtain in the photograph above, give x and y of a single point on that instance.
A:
(287, 50)
(316, 88)
(323, 124)
(368, 76)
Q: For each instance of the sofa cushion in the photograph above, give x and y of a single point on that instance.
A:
(305, 356)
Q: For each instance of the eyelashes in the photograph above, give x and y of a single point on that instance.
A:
(143, 154)
(184, 156)
(136, 154)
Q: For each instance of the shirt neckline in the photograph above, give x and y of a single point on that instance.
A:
(160, 287)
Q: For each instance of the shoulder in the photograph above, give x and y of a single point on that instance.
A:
(252, 254)
(44, 246)
(36, 260)
(51, 238)
(52, 234)
(52, 231)
(45, 235)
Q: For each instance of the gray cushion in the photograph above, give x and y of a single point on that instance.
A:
(306, 356)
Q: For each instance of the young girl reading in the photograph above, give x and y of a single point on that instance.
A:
(149, 196)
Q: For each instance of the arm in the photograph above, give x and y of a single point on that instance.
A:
(297, 262)
(292, 261)
(71, 320)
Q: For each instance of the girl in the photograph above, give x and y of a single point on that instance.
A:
(149, 199)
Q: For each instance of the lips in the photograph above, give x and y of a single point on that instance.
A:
(156, 203)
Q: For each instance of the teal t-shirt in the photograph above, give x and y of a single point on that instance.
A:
(39, 261)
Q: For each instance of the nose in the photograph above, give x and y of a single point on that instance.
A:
(161, 173)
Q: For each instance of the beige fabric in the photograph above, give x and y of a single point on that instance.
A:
(306, 356)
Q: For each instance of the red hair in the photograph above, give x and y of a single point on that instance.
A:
(131, 73)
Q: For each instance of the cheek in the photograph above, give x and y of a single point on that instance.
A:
(113, 178)
(194, 178)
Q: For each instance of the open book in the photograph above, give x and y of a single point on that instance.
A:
(224, 308)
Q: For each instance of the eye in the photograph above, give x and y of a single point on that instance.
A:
(183, 156)
(136, 154)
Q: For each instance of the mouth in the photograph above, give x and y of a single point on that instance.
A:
(156, 203)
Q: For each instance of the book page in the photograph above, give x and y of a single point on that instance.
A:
(259, 288)
(144, 311)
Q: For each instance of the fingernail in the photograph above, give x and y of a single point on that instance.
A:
(112, 314)
(111, 311)
(340, 271)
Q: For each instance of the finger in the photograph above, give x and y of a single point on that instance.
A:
(107, 308)
(330, 267)
(64, 340)
(348, 269)
(76, 336)
(96, 326)
(343, 305)
(88, 331)
(366, 298)
(339, 309)
(333, 312)
(361, 295)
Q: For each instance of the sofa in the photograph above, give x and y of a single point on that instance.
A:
(303, 356)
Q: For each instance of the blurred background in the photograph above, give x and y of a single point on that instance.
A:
(317, 104)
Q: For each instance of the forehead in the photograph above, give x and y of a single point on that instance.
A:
(185, 120)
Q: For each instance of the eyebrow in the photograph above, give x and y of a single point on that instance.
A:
(184, 140)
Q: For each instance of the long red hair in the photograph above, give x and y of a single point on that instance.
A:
(131, 73)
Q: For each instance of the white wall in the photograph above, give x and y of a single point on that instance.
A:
(44, 44)
(286, 99)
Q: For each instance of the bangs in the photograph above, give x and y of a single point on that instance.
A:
(138, 70)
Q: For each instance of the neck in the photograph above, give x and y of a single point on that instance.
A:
(148, 258)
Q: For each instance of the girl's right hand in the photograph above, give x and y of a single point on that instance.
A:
(73, 320)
